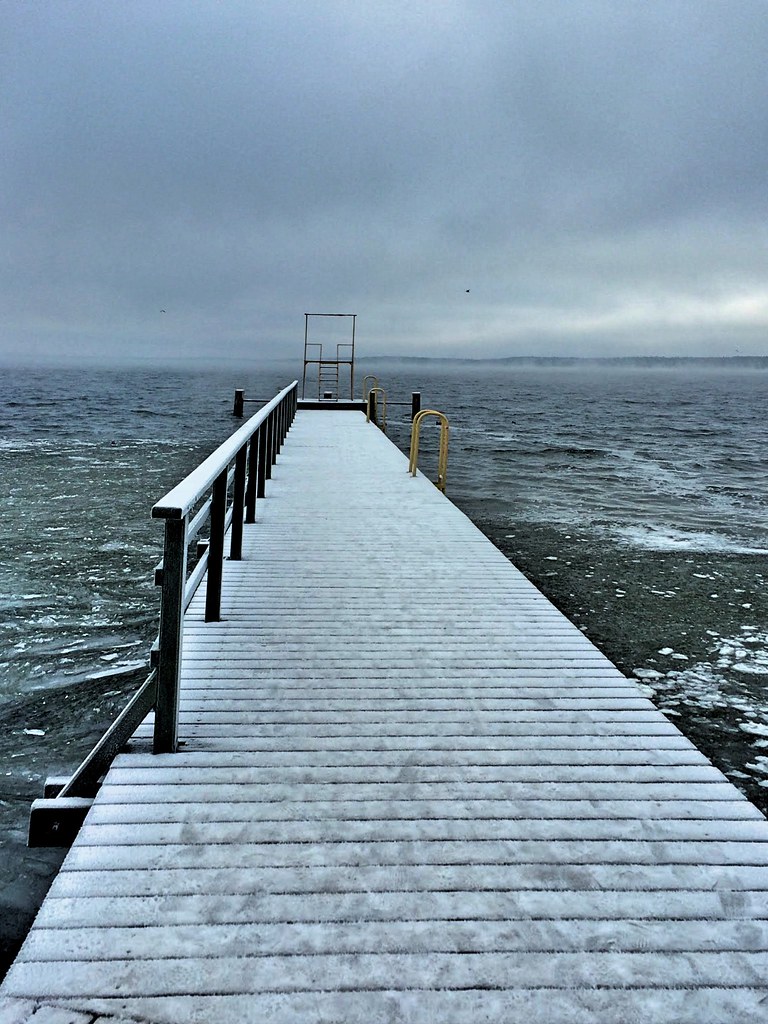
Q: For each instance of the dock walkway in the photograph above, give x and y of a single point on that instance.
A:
(409, 791)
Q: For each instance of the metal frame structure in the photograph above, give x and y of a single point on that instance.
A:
(328, 367)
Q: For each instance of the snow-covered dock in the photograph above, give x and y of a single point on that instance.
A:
(409, 790)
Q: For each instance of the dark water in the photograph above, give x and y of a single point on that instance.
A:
(83, 457)
(636, 499)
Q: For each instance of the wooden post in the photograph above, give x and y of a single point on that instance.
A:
(171, 624)
(216, 548)
(237, 409)
(415, 404)
(238, 507)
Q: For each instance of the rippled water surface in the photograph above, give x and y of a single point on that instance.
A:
(83, 457)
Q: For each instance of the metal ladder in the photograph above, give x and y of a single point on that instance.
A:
(328, 378)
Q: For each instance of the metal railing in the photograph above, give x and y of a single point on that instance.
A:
(370, 380)
(442, 458)
(223, 491)
(372, 408)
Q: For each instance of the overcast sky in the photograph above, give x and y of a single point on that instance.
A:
(471, 177)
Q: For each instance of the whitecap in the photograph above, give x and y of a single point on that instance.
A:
(658, 538)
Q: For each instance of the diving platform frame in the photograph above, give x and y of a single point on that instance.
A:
(334, 371)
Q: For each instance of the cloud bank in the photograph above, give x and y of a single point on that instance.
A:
(471, 177)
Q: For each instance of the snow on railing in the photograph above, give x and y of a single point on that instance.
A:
(222, 491)
(234, 475)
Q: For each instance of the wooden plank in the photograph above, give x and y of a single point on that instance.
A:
(227, 739)
(235, 823)
(156, 844)
(258, 775)
(264, 939)
(584, 1005)
(482, 757)
(283, 908)
(196, 855)
(252, 976)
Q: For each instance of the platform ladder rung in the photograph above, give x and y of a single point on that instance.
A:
(328, 378)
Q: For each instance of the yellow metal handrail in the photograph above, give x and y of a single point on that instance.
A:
(366, 378)
(442, 459)
(373, 401)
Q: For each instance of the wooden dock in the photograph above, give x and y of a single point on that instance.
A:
(409, 790)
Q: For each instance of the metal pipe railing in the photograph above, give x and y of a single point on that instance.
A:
(442, 460)
(251, 451)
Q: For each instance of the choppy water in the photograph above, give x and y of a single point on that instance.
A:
(83, 456)
(614, 488)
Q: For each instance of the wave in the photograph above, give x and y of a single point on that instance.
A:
(660, 538)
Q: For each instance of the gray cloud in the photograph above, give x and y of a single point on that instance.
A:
(594, 173)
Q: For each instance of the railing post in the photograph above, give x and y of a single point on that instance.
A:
(270, 430)
(262, 471)
(237, 409)
(171, 626)
(275, 434)
(250, 497)
(216, 548)
(238, 506)
(279, 428)
(415, 404)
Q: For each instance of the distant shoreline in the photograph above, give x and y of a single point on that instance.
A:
(664, 362)
(292, 364)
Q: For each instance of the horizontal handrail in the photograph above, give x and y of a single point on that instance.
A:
(235, 474)
(226, 485)
(178, 501)
(84, 781)
(195, 578)
(200, 517)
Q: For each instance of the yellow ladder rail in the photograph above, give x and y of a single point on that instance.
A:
(442, 459)
(375, 384)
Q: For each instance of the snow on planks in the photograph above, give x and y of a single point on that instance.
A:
(409, 790)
